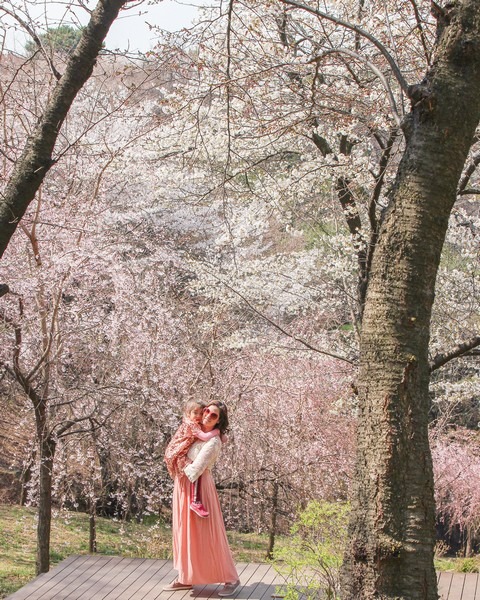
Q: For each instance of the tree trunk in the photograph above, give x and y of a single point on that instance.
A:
(36, 159)
(47, 454)
(391, 538)
(468, 542)
(25, 479)
(273, 522)
(92, 521)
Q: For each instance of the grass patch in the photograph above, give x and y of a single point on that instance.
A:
(458, 564)
(70, 533)
(249, 547)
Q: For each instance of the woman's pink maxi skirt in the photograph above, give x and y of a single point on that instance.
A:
(201, 553)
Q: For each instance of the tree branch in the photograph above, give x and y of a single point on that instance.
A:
(284, 331)
(393, 65)
(466, 175)
(374, 70)
(428, 54)
(36, 159)
(457, 351)
(36, 39)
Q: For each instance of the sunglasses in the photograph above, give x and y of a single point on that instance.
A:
(207, 412)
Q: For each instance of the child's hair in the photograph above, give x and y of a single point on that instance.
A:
(191, 405)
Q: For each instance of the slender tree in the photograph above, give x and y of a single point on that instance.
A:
(37, 157)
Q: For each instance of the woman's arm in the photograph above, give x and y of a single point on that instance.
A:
(204, 460)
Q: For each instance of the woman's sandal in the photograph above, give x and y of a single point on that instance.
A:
(229, 589)
(176, 585)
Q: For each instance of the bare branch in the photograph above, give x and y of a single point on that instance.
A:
(50, 336)
(374, 70)
(36, 159)
(470, 192)
(428, 54)
(393, 65)
(456, 352)
(466, 175)
(284, 331)
(36, 39)
(379, 180)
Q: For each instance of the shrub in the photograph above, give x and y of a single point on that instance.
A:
(469, 565)
(311, 558)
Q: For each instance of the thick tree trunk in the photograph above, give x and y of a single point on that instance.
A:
(392, 535)
(36, 159)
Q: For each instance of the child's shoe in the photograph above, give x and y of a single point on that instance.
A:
(199, 509)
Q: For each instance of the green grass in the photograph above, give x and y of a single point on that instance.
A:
(70, 536)
(458, 564)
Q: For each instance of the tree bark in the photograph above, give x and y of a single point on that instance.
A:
(92, 529)
(36, 159)
(47, 454)
(273, 522)
(391, 537)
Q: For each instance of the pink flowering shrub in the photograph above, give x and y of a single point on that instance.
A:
(456, 458)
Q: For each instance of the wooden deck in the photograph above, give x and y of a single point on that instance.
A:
(459, 586)
(98, 577)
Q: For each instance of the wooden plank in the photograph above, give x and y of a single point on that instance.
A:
(249, 580)
(264, 586)
(133, 573)
(245, 574)
(470, 586)
(97, 577)
(278, 585)
(96, 574)
(95, 569)
(42, 584)
(444, 583)
(41, 579)
(74, 579)
(155, 571)
(116, 572)
(210, 590)
(250, 591)
(477, 592)
(456, 587)
(155, 588)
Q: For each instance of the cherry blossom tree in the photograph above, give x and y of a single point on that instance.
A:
(376, 109)
(292, 437)
(61, 293)
(37, 157)
(457, 461)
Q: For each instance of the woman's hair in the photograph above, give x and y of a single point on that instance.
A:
(222, 422)
(192, 405)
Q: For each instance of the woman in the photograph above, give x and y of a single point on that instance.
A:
(201, 553)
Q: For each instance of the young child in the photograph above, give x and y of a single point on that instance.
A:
(179, 445)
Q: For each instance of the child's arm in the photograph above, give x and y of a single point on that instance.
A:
(204, 436)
